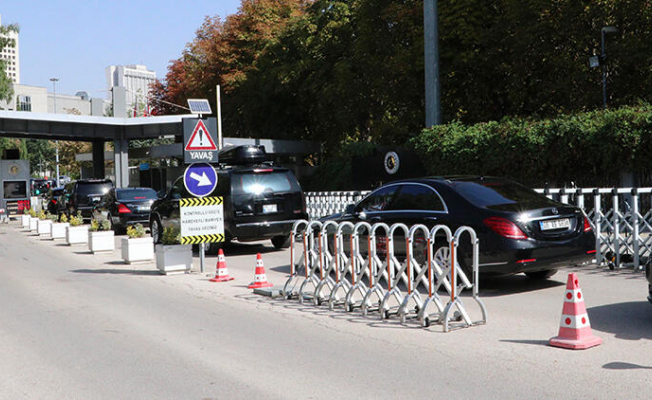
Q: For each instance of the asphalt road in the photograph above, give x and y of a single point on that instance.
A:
(81, 326)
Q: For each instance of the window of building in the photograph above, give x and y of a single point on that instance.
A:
(24, 103)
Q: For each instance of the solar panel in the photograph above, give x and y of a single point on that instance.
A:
(199, 106)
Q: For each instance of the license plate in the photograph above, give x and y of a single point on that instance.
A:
(269, 208)
(96, 199)
(555, 224)
(143, 208)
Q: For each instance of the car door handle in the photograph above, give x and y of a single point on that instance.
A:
(430, 218)
(374, 219)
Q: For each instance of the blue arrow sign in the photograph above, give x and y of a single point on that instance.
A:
(200, 179)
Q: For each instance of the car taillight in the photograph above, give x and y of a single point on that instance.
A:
(54, 201)
(587, 225)
(504, 227)
(123, 209)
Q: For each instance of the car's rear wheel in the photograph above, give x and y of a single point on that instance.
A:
(541, 275)
(155, 230)
(281, 242)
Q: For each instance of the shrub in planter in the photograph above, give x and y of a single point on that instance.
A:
(43, 225)
(77, 233)
(33, 220)
(172, 257)
(59, 228)
(137, 247)
(24, 220)
(100, 237)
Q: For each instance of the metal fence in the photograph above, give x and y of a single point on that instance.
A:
(620, 217)
(377, 268)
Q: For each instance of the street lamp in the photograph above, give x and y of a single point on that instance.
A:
(603, 60)
(56, 143)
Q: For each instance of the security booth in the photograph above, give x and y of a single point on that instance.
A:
(14, 187)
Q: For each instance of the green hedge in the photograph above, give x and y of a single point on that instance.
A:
(590, 149)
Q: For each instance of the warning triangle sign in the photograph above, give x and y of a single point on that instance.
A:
(200, 139)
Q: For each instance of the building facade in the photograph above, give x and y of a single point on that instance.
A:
(136, 79)
(11, 56)
(36, 99)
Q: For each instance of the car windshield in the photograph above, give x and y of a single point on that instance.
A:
(87, 188)
(136, 194)
(261, 182)
(494, 193)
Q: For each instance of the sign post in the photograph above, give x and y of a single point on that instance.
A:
(202, 218)
(202, 221)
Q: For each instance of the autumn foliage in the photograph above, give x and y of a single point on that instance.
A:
(352, 70)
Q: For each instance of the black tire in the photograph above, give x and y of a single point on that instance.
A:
(156, 230)
(281, 242)
(541, 275)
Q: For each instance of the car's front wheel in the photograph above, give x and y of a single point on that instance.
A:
(541, 275)
(155, 230)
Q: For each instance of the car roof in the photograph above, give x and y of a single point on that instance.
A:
(448, 179)
(132, 188)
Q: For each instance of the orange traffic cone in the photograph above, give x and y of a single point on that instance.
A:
(574, 330)
(222, 273)
(260, 277)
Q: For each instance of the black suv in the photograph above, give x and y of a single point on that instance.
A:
(82, 195)
(261, 201)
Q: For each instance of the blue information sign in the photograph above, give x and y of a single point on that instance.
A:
(200, 179)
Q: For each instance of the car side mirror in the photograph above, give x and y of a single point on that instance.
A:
(161, 194)
(350, 209)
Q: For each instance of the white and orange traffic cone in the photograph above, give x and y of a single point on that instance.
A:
(222, 273)
(574, 330)
(260, 277)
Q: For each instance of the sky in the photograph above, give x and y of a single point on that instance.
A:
(75, 40)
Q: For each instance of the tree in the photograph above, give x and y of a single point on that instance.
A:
(6, 86)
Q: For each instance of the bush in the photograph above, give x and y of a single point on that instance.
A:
(63, 218)
(135, 231)
(590, 149)
(171, 235)
(76, 220)
(32, 213)
(42, 216)
(52, 217)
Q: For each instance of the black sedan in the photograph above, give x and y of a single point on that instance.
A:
(124, 207)
(519, 230)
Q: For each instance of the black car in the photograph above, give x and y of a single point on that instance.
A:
(53, 201)
(124, 207)
(519, 230)
(82, 195)
(261, 201)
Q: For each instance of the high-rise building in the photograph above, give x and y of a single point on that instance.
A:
(11, 56)
(134, 78)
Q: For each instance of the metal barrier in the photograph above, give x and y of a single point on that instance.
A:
(623, 234)
(360, 270)
(320, 204)
(621, 218)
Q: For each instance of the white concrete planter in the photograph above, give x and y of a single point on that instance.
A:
(44, 227)
(77, 234)
(137, 250)
(24, 221)
(173, 259)
(101, 241)
(33, 224)
(59, 230)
